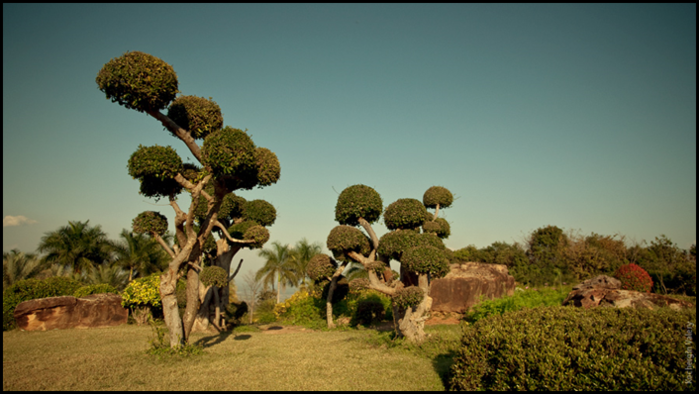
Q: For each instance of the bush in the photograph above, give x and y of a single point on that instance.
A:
(521, 299)
(303, 308)
(369, 311)
(95, 289)
(30, 289)
(633, 277)
(568, 348)
(142, 292)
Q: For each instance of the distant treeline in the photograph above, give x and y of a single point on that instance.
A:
(552, 256)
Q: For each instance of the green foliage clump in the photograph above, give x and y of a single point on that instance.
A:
(521, 299)
(156, 167)
(345, 239)
(369, 311)
(228, 151)
(258, 234)
(568, 348)
(196, 114)
(268, 168)
(408, 297)
(150, 222)
(395, 243)
(358, 201)
(100, 288)
(321, 267)
(231, 207)
(405, 213)
(437, 195)
(426, 260)
(31, 289)
(214, 276)
(633, 277)
(260, 211)
(138, 81)
(439, 226)
(142, 292)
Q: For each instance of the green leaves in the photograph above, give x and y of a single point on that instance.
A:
(260, 211)
(320, 267)
(405, 213)
(437, 195)
(345, 239)
(196, 114)
(138, 81)
(150, 222)
(426, 260)
(156, 167)
(229, 151)
(214, 276)
(358, 201)
(408, 297)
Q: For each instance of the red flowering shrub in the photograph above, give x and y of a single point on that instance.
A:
(633, 277)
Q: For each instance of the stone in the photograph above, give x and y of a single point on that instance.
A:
(606, 291)
(95, 310)
(464, 285)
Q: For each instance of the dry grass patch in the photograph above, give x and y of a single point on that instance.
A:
(114, 359)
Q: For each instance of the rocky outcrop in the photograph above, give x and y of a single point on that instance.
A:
(464, 285)
(606, 291)
(96, 310)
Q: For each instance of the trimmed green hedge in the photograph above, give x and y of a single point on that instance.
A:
(568, 348)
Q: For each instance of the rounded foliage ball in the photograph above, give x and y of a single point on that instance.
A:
(437, 195)
(426, 260)
(214, 276)
(156, 167)
(231, 207)
(268, 168)
(321, 267)
(258, 234)
(260, 211)
(229, 151)
(633, 277)
(408, 297)
(439, 226)
(150, 222)
(196, 114)
(358, 201)
(138, 81)
(345, 239)
(395, 243)
(405, 213)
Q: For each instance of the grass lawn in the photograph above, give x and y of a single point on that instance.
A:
(115, 359)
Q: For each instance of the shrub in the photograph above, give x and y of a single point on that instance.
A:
(520, 300)
(568, 348)
(30, 289)
(100, 288)
(142, 292)
(303, 309)
(633, 277)
(408, 296)
(369, 311)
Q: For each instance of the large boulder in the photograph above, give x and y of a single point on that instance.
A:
(604, 290)
(464, 285)
(95, 310)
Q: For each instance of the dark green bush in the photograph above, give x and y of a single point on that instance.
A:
(214, 276)
(229, 151)
(196, 114)
(437, 195)
(260, 211)
(405, 213)
(100, 288)
(30, 289)
(568, 348)
(369, 311)
(408, 296)
(358, 201)
(150, 221)
(345, 239)
(320, 267)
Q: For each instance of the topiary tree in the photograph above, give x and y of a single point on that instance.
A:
(422, 254)
(228, 160)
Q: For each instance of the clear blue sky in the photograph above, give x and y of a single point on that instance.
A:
(579, 116)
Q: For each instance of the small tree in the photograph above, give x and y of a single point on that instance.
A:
(422, 254)
(228, 160)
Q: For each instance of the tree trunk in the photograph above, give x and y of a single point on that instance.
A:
(328, 303)
(168, 284)
(410, 323)
(192, 306)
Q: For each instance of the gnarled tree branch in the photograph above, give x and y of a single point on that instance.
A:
(181, 133)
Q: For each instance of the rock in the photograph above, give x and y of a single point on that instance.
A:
(95, 310)
(463, 286)
(606, 291)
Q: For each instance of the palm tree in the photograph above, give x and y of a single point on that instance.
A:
(279, 268)
(18, 265)
(77, 245)
(111, 275)
(140, 253)
(302, 254)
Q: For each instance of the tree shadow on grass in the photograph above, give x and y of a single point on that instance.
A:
(442, 365)
(215, 339)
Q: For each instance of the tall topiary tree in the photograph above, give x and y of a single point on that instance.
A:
(422, 254)
(228, 160)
